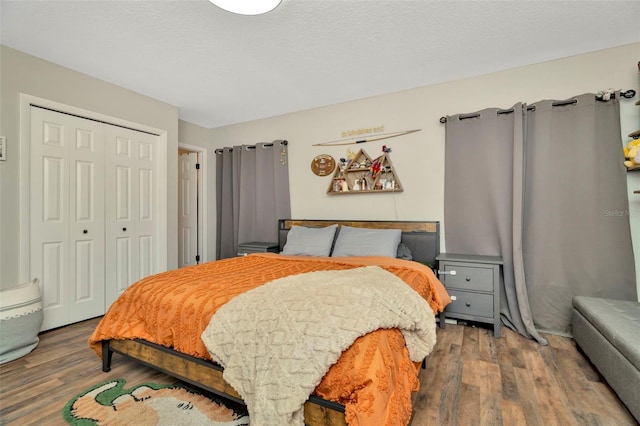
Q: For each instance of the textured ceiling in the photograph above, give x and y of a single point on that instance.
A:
(219, 68)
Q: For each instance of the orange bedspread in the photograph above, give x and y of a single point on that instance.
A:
(374, 378)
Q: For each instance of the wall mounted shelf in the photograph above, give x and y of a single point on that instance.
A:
(362, 175)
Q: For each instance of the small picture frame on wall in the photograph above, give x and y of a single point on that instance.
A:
(3, 148)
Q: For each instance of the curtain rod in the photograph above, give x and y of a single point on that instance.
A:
(626, 94)
(282, 142)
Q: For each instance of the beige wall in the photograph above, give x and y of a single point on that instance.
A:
(22, 73)
(419, 158)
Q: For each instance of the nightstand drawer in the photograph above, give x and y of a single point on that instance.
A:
(474, 304)
(474, 281)
(257, 247)
(467, 277)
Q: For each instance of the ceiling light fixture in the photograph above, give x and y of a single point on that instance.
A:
(247, 7)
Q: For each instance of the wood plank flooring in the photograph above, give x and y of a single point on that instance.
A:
(471, 379)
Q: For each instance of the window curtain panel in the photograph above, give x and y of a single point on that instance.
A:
(544, 187)
(577, 236)
(483, 201)
(252, 193)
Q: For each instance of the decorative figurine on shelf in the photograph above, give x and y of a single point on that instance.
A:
(376, 166)
(389, 183)
(365, 183)
(343, 166)
(350, 156)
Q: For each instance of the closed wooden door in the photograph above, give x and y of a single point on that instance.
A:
(67, 216)
(188, 209)
(131, 216)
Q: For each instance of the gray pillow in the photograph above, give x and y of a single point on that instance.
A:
(303, 241)
(366, 242)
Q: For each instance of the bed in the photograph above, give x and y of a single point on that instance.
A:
(373, 379)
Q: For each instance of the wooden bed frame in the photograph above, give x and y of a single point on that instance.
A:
(422, 239)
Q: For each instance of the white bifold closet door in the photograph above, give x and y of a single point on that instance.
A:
(131, 219)
(67, 216)
(93, 224)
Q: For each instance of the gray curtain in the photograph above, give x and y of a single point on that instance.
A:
(483, 201)
(544, 187)
(577, 236)
(252, 193)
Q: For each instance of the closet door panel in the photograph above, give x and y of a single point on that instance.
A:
(146, 226)
(84, 279)
(124, 273)
(121, 245)
(93, 202)
(67, 216)
(131, 221)
(53, 274)
(53, 195)
(86, 203)
(145, 194)
(122, 194)
(145, 255)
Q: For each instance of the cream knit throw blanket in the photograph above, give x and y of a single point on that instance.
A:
(277, 341)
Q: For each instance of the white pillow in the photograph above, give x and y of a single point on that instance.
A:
(309, 241)
(366, 242)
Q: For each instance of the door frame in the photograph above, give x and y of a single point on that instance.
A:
(25, 174)
(202, 194)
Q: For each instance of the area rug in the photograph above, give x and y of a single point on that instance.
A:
(150, 404)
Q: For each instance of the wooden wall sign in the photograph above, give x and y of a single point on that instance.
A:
(323, 165)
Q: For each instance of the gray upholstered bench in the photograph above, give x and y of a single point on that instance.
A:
(608, 332)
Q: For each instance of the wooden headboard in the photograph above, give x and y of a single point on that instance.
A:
(422, 238)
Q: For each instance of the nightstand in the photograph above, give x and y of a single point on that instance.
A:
(473, 281)
(257, 247)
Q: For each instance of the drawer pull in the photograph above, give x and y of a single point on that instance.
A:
(468, 304)
(447, 272)
(468, 279)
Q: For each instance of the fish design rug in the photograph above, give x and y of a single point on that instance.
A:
(150, 404)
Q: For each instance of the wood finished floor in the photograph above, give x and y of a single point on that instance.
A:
(471, 379)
